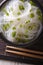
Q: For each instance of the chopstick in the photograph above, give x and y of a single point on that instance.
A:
(22, 53)
(25, 50)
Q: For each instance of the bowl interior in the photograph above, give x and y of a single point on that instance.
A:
(33, 41)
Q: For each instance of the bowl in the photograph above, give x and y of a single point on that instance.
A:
(28, 43)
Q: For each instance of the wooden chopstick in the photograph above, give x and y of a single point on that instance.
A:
(25, 50)
(24, 54)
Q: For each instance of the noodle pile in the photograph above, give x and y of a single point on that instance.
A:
(20, 21)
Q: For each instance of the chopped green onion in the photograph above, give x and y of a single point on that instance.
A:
(26, 31)
(27, 21)
(33, 26)
(6, 26)
(19, 35)
(14, 28)
(11, 22)
(30, 10)
(21, 7)
(22, 0)
(32, 3)
(18, 39)
(26, 36)
(21, 25)
(38, 12)
(13, 34)
(11, 9)
(18, 19)
(5, 11)
(40, 17)
(30, 28)
(18, 13)
(32, 15)
(21, 40)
